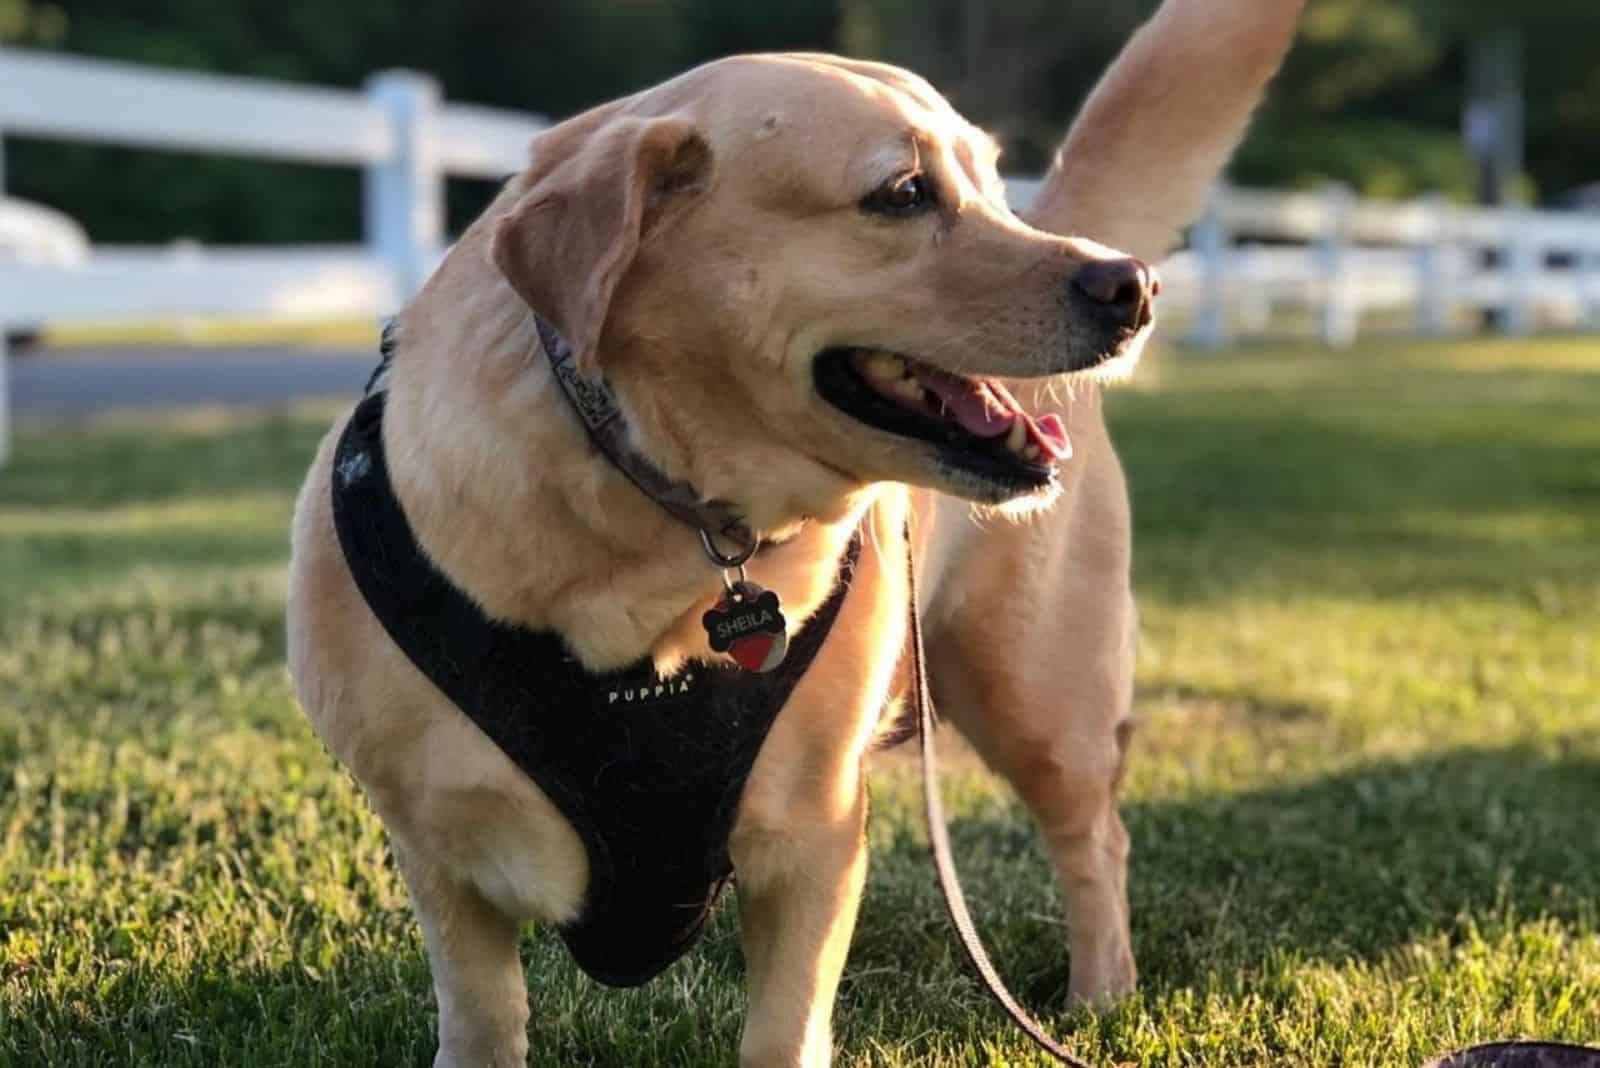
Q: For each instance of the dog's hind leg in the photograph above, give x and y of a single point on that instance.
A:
(1061, 747)
(1030, 654)
(1063, 756)
(477, 972)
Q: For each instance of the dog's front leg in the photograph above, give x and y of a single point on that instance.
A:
(477, 973)
(801, 862)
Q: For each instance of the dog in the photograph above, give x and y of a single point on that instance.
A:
(799, 278)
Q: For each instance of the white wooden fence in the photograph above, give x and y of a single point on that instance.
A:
(1256, 254)
(1424, 264)
(399, 131)
(1259, 258)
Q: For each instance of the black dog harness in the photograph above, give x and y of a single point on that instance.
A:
(648, 770)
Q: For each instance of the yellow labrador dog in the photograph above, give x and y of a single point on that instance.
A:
(799, 278)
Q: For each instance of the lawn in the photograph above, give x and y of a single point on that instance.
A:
(1365, 798)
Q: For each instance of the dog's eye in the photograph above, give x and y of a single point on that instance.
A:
(907, 195)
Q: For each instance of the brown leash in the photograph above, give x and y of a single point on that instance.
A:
(955, 901)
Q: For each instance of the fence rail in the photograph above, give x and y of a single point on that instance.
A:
(396, 129)
(1256, 255)
(73, 99)
(296, 283)
(1341, 259)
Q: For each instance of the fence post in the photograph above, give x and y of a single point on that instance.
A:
(5, 399)
(1433, 288)
(1209, 238)
(5, 369)
(1589, 277)
(1522, 257)
(403, 208)
(1341, 312)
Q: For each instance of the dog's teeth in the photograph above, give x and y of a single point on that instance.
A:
(884, 365)
(903, 387)
(1017, 437)
(909, 388)
(1030, 452)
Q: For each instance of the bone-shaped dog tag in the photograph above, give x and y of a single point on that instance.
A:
(748, 625)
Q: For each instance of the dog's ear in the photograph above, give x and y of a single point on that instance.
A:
(595, 192)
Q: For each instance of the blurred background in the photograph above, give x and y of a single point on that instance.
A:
(1365, 473)
(1376, 94)
(1420, 166)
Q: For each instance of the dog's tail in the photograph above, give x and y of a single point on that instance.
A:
(1139, 160)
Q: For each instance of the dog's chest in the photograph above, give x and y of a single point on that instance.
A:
(648, 770)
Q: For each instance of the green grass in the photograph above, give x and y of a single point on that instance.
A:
(1365, 798)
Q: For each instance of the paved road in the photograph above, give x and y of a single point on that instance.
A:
(69, 384)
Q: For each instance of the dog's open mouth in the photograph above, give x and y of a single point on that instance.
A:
(975, 423)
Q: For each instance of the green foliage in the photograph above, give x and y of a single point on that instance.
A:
(1362, 793)
(25, 22)
(1351, 49)
(1019, 68)
(1382, 66)
(1376, 157)
(1372, 95)
(549, 57)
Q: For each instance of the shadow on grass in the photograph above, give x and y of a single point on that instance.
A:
(376, 1006)
(1359, 862)
(369, 1010)
(1351, 865)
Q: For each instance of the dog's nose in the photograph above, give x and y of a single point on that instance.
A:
(1119, 290)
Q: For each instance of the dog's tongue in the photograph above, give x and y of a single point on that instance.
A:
(980, 410)
(1051, 437)
(987, 410)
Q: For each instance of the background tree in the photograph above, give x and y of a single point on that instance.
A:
(1371, 96)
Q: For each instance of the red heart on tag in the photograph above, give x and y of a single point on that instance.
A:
(759, 652)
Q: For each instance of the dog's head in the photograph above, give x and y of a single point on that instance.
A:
(801, 276)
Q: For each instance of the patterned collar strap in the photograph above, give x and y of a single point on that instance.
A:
(596, 405)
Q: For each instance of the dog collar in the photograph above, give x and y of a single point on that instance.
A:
(602, 417)
(747, 622)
